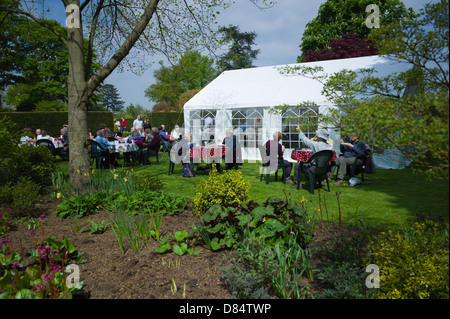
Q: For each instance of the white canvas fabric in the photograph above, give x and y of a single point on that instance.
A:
(263, 88)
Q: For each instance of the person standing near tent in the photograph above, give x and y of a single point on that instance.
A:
(233, 155)
(275, 154)
(320, 144)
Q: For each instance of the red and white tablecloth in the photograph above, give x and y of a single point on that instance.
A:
(207, 152)
(304, 154)
(58, 142)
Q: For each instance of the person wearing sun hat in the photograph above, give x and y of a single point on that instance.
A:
(319, 144)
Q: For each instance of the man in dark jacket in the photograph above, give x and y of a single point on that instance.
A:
(350, 150)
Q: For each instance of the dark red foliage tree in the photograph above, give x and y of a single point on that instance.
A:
(350, 45)
(164, 107)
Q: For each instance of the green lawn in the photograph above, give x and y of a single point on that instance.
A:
(387, 200)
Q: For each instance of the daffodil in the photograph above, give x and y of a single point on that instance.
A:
(58, 195)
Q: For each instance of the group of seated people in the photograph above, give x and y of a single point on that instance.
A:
(352, 150)
(148, 142)
(232, 156)
(41, 134)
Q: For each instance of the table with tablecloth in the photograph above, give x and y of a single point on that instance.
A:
(304, 154)
(123, 147)
(58, 142)
(209, 154)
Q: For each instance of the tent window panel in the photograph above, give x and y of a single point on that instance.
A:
(202, 124)
(292, 119)
(248, 124)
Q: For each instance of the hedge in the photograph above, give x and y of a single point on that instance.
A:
(169, 119)
(52, 122)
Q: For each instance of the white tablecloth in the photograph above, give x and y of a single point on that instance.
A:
(124, 147)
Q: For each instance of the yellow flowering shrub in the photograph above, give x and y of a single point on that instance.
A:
(414, 265)
(228, 189)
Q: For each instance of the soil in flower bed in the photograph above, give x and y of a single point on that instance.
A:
(145, 274)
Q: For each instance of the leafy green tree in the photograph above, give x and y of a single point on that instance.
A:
(37, 62)
(193, 71)
(408, 110)
(240, 54)
(110, 98)
(338, 17)
(115, 28)
(132, 111)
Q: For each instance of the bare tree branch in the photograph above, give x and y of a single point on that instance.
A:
(122, 52)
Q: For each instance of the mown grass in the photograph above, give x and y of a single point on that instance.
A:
(389, 199)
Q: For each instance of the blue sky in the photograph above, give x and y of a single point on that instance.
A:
(279, 31)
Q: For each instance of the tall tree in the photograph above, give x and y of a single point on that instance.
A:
(193, 71)
(110, 98)
(34, 60)
(338, 17)
(240, 54)
(115, 28)
(406, 110)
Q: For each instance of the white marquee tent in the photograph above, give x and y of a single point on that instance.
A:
(243, 98)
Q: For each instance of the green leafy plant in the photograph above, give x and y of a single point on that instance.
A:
(145, 181)
(228, 189)
(414, 265)
(81, 205)
(164, 244)
(252, 265)
(291, 264)
(97, 227)
(45, 278)
(25, 194)
(275, 221)
(181, 245)
(340, 268)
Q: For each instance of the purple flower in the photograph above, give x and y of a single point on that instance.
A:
(43, 217)
(15, 265)
(5, 240)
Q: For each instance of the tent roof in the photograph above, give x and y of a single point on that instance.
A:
(267, 87)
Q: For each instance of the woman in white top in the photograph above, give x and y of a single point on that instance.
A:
(43, 136)
(175, 134)
(320, 144)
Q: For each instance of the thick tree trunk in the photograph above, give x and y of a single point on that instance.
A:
(79, 158)
(80, 90)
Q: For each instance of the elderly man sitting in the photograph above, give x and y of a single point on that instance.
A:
(320, 144)
(350, 151)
